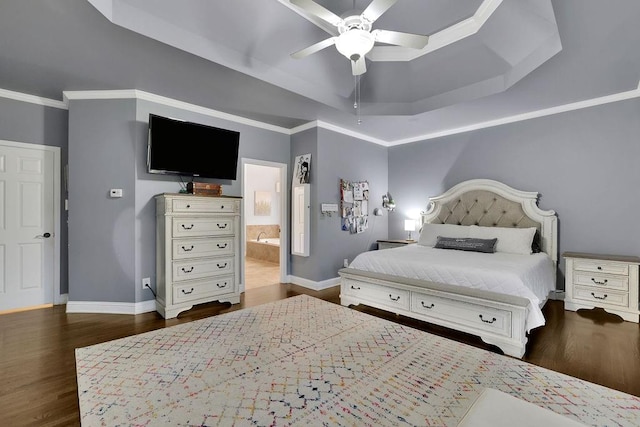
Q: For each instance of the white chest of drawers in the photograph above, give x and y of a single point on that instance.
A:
(606, 281)
(197, 251)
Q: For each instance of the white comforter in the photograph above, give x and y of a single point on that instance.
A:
(528, 276)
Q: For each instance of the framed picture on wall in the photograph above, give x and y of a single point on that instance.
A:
(301, 172)
(262, 203)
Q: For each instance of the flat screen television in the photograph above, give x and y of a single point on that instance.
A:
(179, 147)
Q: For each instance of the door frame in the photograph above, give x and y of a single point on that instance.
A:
(284, 212)
(57, 298)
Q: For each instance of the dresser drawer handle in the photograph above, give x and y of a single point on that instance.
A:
(599, 268)
(222, 266)
(187, 293)
(187, 271)
(188, 206)
(221, 206)
(488, 321)
(187, 249)
(357, 288)
(597, 297)
(599, 283)
(394, 299)
(221, 286)
(187, 228)
(430, 306)
(222, 227)
(222, 246)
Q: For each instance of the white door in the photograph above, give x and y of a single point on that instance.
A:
(26, 226)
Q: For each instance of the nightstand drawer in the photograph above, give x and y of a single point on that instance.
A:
(601, 266)
(620, 283)
(601, 296)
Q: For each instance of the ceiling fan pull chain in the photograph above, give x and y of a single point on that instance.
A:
(357, 103)
(355, 92)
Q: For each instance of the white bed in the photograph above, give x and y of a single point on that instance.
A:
(497, 296)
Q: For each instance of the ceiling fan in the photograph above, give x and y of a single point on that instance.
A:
(356, 38)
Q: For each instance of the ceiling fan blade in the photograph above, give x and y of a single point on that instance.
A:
(314, 8)
(314, 48)
(377, 8)
(415, 41)
(359, 67)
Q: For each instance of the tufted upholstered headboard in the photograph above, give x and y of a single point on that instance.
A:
(491, 203)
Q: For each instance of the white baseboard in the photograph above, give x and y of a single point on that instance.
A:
(316, 286)
(556, 295)
(61, 299)
(111, 307)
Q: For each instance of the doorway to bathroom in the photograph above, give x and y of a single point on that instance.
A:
(264, 223)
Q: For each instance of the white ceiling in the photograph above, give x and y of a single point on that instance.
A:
(500, 59)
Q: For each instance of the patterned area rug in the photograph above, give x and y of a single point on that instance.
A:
(304, 361)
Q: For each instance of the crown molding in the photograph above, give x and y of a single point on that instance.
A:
(608, 99)
(302, 128)
(137, 94)
(338, 129)
(158, 99)
(32, 99)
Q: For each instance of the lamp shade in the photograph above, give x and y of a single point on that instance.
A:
(409, 225)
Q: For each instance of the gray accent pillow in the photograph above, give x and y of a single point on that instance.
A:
(467, 244)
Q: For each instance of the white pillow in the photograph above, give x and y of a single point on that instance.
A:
(430, 232)
(510, 240)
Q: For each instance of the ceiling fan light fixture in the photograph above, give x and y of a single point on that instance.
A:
(355, 43)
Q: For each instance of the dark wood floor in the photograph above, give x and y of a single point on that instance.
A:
(37, 361)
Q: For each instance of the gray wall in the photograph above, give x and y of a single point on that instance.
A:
(102, 156)
(336, 156)
(255, 143)
(305, 143)
(36, 124)
(112, 241)
(583, 163)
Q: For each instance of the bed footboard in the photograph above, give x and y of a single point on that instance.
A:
(496, 318)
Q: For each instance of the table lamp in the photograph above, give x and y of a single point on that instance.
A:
(409, 227)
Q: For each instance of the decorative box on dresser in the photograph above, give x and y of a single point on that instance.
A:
(197, 251)
(605, 281)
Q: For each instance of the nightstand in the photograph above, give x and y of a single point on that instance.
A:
(388, 244)
(606, 281)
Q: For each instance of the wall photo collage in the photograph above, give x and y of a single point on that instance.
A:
(354, 205)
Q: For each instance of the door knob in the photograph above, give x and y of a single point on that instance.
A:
(44, 236)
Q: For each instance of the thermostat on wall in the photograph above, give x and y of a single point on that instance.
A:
(329, 207)
(115, 192)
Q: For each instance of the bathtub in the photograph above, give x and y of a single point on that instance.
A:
(266, 249)
(272, 241)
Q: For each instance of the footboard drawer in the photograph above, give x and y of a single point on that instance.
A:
(482, 318)
(377, 294)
